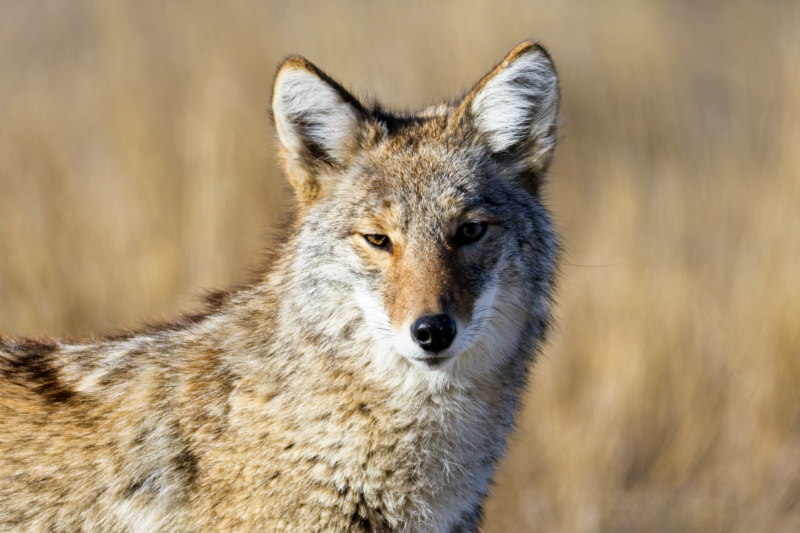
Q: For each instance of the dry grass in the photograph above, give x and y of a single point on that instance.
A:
(136, 166)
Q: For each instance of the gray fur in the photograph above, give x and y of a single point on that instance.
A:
(295, 403)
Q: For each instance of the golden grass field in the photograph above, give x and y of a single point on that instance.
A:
(137, 169)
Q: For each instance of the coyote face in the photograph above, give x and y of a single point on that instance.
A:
(431, 249)
(435, 217)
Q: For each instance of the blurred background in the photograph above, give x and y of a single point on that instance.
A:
(137, 169)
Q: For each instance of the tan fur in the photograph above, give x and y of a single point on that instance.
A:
(300, 402)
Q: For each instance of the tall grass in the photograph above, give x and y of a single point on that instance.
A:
(137, 168)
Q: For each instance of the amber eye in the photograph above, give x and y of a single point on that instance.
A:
(470, 232)
(378, 241)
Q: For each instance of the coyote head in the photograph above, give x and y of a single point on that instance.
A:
(429, 223)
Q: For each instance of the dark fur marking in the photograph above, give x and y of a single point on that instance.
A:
(30, 364)
(216, 299)
(393, 121)
(142, 436)
(186, 464)
(368, 519)
(122, 371)
(316, 152)
(139, 486)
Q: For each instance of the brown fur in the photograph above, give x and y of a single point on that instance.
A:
(292, 404)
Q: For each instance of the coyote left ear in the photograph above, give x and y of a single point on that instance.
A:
(514, 111)
(318, 123)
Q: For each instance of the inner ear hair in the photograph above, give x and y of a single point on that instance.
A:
(312, 112)
(514, 110)
(317, 121)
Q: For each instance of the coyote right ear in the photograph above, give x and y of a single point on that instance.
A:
(318, 124)
(514, 111)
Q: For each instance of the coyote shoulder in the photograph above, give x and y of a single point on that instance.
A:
(366, 382)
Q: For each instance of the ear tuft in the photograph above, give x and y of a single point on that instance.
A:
(515, 107)
(317, 122)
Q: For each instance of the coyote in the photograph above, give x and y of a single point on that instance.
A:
(367, 381)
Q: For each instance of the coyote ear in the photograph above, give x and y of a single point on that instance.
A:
(514, 110)
(318, 124)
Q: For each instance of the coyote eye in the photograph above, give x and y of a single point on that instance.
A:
(378, 241)
(470, 232)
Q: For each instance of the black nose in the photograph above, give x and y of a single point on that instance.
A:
(433, 333)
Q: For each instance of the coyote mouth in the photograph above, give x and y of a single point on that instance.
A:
(434, 361)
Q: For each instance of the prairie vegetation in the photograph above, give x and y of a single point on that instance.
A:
(137, 169)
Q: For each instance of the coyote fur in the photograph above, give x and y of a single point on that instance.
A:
(367, 381)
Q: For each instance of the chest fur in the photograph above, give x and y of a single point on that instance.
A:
(352, 460)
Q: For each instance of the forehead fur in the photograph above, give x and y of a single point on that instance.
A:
(422, 166)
